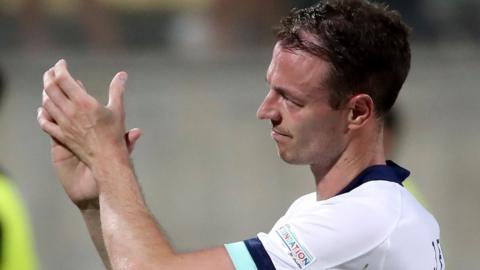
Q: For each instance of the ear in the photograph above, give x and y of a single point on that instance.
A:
(361, 109)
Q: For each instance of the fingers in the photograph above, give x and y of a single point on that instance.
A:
(65, 98)
(131, 138)
(117, 88)
(52, 90)
(43, 119)
(45, 113)
(66, 82)
(133, 135)
(49, 127)
(67, 94)
(75, 119)
(53, 112)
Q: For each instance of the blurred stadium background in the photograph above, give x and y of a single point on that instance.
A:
(207, 166)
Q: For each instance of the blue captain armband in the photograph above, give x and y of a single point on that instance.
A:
(240, 256)
(249, 255)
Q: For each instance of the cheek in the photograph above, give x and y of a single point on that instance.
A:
(321, 131)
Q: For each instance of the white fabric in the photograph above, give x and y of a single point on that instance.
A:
(378, 225)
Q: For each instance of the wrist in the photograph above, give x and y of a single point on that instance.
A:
(113, 171)
(107, 150)
(110, 159)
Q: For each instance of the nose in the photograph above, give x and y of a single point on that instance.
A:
(268, 109)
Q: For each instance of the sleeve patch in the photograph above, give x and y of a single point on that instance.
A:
(297, 251)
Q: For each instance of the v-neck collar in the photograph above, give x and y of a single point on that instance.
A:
(390, 172)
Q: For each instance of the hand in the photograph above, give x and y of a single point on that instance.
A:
(76, 178)
(87, 128)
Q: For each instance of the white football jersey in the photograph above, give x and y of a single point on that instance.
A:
(374, 223)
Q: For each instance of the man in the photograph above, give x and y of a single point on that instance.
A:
(336, 70)
(16, 242)
(17, 250)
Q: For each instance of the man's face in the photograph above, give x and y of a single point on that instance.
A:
(305, 127)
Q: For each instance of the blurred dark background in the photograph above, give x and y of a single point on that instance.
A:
(148, 24)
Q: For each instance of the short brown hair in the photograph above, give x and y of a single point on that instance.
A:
(366, 45)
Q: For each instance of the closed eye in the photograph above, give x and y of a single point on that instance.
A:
(285, 94)
(290, 100)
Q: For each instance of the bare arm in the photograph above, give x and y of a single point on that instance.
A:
(94, 134)
(77, 179)
(132, 236)
(91, 216)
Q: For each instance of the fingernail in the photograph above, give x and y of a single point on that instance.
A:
(123, 76)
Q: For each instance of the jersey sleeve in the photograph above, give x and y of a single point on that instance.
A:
(249, 255)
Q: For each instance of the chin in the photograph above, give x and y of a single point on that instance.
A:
(291, 158)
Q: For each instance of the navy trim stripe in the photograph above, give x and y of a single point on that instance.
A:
(390, 172)
(259, 254)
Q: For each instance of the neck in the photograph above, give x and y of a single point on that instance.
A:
(360, 153)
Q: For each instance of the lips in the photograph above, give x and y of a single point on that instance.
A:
(276, 131)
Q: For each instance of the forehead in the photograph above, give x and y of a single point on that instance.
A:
(297, 70)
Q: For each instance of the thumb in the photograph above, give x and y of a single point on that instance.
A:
(117, 88)
(131, 138)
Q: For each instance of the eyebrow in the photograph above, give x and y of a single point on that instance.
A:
(287, 92)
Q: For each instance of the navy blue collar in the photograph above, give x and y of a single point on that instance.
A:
(390, 172)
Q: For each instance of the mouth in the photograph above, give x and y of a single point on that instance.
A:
(278, 134)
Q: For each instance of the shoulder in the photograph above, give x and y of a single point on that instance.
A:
(373, 206)
(10, 201)
(339, 229)
(301, 202)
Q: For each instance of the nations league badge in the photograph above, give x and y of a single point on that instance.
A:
(299, 253)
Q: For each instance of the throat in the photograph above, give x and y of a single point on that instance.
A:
(330, 181)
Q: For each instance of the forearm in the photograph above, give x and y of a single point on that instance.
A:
(91, 216)
(89, 143)
(132, 236)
